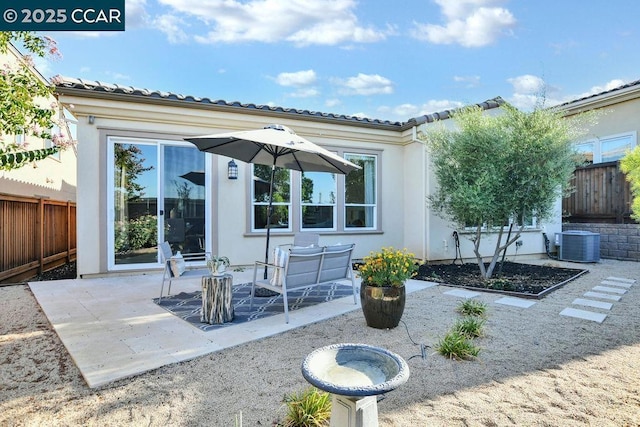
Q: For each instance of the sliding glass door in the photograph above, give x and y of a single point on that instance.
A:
(157, 194)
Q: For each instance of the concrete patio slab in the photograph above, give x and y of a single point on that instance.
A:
(141, 336)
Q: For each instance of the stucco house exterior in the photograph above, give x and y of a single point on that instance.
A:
(51, 178)
(129, 135)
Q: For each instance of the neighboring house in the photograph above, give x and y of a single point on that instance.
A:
(602, 200)
(51, 178)
(140, 183)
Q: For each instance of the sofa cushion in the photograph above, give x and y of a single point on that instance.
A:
(177, 264)
(280, 257)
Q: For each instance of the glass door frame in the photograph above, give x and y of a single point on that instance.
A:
(159, 145)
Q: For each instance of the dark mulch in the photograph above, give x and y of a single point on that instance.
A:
(526, 280)
(66, 271)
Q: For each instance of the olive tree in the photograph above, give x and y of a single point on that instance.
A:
(630, 165)
(493, 171)
(22, 93)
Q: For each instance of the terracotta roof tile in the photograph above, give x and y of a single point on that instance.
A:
(96, 86)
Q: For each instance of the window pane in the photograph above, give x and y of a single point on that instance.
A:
(135, 203)
(586, 150)
(360, 185)
(360, 216)
(184, 183)
(615, 149)
(317, 216)
(281, 184)
(279, 217)
(48, 143)
(360, 192)
(318, 199)
(281, 197)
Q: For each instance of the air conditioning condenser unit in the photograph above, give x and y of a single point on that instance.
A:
(579, 246)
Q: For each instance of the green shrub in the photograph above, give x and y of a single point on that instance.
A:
(310, 408)
(470, 327)
(471, 307)
(457, 346)
(137, 233)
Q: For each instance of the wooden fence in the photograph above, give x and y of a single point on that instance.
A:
(602, 195)
(36, 235)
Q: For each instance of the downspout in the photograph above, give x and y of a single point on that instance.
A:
(425, 185)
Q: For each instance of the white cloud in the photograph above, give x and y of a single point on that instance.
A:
(612, 84)
(297, 79)
(470, 23)
(171, 26)
(136, 13)
(302, 22)
(531, 91)
(305, 93)
(404, 112)
(333, 102)
(364, 84)
(527, 84)
(467, 81)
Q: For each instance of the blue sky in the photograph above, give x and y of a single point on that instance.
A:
(389, 60)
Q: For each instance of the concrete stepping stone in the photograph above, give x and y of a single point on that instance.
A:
(462, 293)
(515, 302)
(583, 314)
(592, 303)
(610, 289)
(602, 296)
(614, 283)
(621, 279)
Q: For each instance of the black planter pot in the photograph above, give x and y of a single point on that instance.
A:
(382, 306)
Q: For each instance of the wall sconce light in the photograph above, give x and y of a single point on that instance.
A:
(233, 170)
(92, 119)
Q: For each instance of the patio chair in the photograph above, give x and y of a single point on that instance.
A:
(304, 240)
(177, 268)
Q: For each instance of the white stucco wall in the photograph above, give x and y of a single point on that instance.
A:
(229, 198)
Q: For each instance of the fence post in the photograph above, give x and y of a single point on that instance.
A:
(40, 237)
(68, 231)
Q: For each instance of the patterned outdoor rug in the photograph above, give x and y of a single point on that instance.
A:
(188, 306)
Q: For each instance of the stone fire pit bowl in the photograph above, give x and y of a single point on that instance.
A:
(355, 370)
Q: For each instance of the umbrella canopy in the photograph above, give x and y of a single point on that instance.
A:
(275, 146)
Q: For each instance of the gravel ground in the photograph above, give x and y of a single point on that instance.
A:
(535, 368)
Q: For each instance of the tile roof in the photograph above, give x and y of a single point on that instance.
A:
(63, 83)
(606, 92)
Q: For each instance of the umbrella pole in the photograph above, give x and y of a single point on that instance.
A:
(269, 208)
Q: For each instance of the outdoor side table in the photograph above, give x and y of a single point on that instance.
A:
(216, 299)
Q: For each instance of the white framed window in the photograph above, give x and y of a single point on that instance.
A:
(281, 210)
(318, 201)
(607, 149)
(361, 192)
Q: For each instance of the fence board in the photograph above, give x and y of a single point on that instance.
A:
(36, 235)
(602, 194)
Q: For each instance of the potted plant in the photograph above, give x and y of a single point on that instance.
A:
(382, 292)
(218, 265)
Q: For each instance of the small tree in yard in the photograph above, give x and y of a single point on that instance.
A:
(630, 165)
(493, 171)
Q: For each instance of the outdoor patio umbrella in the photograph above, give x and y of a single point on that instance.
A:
(275, 146)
